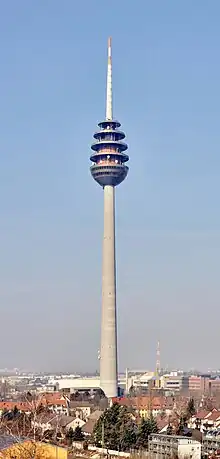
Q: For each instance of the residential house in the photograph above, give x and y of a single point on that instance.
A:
(44, 421)
(146, 405)
(163, 423)
(212, 420)
(88, 427)
(68, 422)
(81, 409)
(52, 421)
(205, 420)
(29, 406)
(10, 406)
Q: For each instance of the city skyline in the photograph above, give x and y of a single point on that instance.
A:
(52, 88)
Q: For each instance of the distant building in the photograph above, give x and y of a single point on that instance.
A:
(69, 385)
(140, 381)
(160, 446)
(174, 382)
(198, 385)
(144, 405)
(214, 386)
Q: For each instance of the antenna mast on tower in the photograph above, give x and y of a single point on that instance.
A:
(109, 111)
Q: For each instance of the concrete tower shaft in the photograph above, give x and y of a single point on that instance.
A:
(109, 169)
(109, 356)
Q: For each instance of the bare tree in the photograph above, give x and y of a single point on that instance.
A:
(29, 440)
(27, 450)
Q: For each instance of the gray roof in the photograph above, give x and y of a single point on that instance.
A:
(6, 441)
(89, 426)
(95, 415)
(65, 420)
(80, 404)
(45, 418)
(62, 420)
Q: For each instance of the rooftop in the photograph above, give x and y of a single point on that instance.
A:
(6, 441)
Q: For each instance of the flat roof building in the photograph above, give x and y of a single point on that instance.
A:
(161, 446)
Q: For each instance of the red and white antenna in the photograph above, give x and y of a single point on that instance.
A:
(158, 359)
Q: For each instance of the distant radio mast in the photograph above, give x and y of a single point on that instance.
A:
(158, 368)
(158, 358)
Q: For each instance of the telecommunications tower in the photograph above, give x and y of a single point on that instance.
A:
(109, 170)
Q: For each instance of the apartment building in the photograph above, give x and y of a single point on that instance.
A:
(161, 446)
(174, 382)
(211, 444)
(214, 386)
(199, 385)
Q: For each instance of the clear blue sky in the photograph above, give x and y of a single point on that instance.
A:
(166, 95)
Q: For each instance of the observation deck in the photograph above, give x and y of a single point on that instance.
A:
(109, 159)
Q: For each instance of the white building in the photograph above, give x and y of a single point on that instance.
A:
(49, 422)
(211, 443)
(78, 383)
(80, 409)
(174, 382)
(172, 445)
(74, 384)
(139, 380)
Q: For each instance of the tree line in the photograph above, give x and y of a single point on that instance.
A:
(118, 429)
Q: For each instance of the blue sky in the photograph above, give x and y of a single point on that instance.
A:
(166, 75)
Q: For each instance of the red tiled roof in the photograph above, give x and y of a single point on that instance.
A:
(153, 402)
(56, 402)
(50, 396)
(22, 406)
(213, 416)
(162, 422)
(88, 427)
(144, 402)
(202, 414)
(30, 405)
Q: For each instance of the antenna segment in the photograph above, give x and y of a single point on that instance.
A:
(109, 114)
